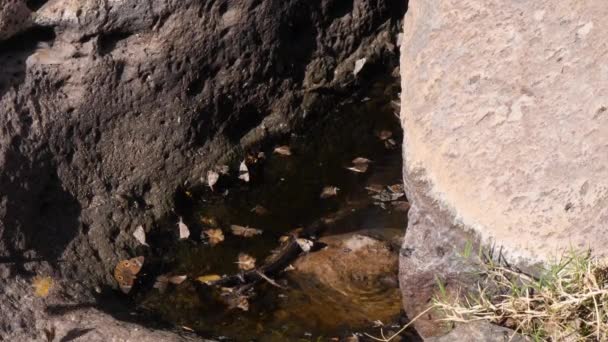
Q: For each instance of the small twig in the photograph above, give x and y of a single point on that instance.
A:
(400, 330)
(270, 281)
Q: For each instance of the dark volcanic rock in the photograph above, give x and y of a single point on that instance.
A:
(108, 107)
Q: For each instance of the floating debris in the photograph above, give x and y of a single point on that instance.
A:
(260, 210)
(385, 135)
(243, 172)
(358, 168)
(209, 278)
(246, 262)
(244, 231)
(184, 232)
(283, 150)
(209, 221)
(212, 178)
(140, 235)
(361, 160)
(329, 191)
(374, 188)
(305, 244)
(223, 169)
(163, 281)
(396, 188)
(359, 63)
(214, 236)
(390, 143)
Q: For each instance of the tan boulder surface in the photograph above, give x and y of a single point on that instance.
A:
(504, 110)
(505, 116)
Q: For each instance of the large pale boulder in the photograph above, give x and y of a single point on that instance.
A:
(504, 110)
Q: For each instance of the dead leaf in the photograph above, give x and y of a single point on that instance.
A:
(359, 63)
(184, 232)
(289, 268)
(390, 143)
(209, 221)
(283, 150)
(242, 303)
(385, 135)
(42, 286)
(329, 191)
(244, 231)
(161, 283)
(246, 262)
(178, 279)
(206, 279)
(375, 188)
(212, 178)
(396, 188)
(140, 235)
(243, 172)
(187, 328)
(305, 244)
(215, 236)
(361, 160)
(284, 238)
(222, 169)
(358, 168)
(259, 210)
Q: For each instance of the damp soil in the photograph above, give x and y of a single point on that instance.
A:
(309, 303)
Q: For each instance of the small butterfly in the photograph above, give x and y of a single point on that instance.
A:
(126, 272)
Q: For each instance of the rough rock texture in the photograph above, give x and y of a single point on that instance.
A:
(504, 110)
(14, 17)
(479, 332)
(109, 106)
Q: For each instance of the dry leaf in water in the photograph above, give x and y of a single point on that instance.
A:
(305, 244)
(161, 283)
(140, 235)
(246, 262)
(329, 191)
(212, 178)
(214, 236)
(375, 188)
(244, 231)
(206, 279)
(283, 150)
(243, 172)
(359, 168)
(209, 221)
(222, 169)
(385, 135)
(390, 143)
(259, 210)
(361, 160)
(178, 279)
(184, 232)
(42, 286)
(396, 188)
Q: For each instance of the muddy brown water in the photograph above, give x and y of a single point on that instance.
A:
(332, 294)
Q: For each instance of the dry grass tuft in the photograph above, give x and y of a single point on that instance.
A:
(568, 302)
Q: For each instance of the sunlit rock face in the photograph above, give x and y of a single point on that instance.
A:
(107, 107)
(504, 109)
